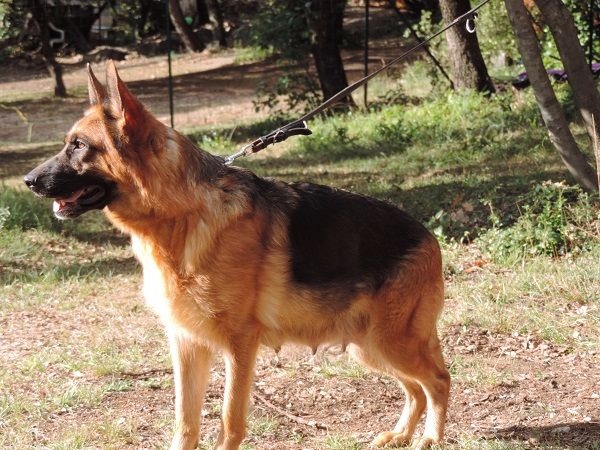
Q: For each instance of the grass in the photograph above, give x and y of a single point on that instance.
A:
(246, 55)
(344, 368)
(336, 442)
(543, 296)
(464, 164)
(477, 372)
(260, 425)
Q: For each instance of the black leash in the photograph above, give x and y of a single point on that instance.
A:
(299, 127)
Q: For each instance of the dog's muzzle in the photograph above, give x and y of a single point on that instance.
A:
(73, 193)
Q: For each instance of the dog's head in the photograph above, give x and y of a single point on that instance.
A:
(93, 168)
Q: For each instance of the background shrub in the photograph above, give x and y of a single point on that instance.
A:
(556, 219)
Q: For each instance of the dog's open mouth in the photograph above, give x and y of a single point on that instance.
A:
(80, 201)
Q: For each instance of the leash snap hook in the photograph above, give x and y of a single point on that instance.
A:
(470, 23)
(280, 135)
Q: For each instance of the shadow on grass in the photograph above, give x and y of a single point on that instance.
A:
(30, 272)
(110, 236)
(574, 435)
(504, 192)
(337, 149)
(424, 201)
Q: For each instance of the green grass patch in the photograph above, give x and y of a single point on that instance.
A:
(477, 373)
(339, 442)
(246, 55)
(21, 210)
(542, 295)
(29, 256)
(345, 368)
(260, 424)
(36, 247)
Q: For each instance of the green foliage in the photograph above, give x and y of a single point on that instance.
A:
(497, 41)
(498, 44)
(5, 27)
(438, 224)
(22, 210)
(225, 140)
(425, 27)
(135, 20)
(496, 38)
(580, 12)
(13, 15)
(4, 215)
(294, 91)
(556, 219)
(11, 18)
(282, 27)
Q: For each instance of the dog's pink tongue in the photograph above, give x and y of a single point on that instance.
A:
(72, 198)
(61, 202)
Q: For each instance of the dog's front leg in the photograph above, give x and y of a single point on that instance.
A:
(239, 375)
(191, 365)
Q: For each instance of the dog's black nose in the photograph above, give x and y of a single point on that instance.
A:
(30, 180)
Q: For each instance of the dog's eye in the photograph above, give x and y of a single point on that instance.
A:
(74, 146)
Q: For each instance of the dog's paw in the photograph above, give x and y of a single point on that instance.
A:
(391, 438)
(424, 443)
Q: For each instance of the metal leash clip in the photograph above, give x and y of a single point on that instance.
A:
(281, 134)
(470, 23)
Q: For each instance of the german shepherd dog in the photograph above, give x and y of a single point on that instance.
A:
(231, 261)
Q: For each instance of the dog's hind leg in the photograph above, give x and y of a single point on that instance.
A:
(426, 382)
(435, 381)
(422, 364)
(404, 337)
(414, 405)
(240, 359)
(191, 364)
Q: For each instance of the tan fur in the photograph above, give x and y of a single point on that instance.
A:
(216, 273)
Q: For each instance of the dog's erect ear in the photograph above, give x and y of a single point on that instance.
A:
(122, 103)
(96, 91)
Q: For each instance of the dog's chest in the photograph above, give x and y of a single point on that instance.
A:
(170, 299)
(155, 284)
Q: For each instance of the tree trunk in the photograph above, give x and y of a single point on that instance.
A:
(552, 113)
(77, 38)
(144, 13)
(586, 95)
(191, 40)
(216, 13)
(203, 12)
(326, 21)
(466, 63)
(54, 68)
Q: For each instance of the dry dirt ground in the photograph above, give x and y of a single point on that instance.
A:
(507, 388)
